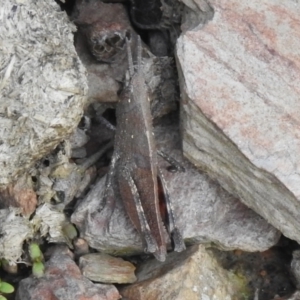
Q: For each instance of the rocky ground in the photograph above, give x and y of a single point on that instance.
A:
(222, 81)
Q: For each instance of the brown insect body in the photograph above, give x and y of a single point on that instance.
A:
(136, 170)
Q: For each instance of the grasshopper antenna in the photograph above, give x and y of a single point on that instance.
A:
(129, 54)
(139, 53)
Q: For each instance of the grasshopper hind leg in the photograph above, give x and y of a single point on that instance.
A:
(174, 232)
(106, 207)
(138, 214)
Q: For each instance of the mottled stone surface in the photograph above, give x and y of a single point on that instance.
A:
(14, 230)
(42, 86)
(295, 296)
(239, 79)
(265, 273)
(20, 194)
(106, 268)
(64, 281)
(193, 274)
(295, 267)
(205, 212)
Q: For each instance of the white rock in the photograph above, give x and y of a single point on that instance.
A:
(42, 83)
(14, 230)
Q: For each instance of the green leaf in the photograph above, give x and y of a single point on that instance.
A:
(6, 288)
(2, 297)
(35, 252)
(70, 231)
(38, 269)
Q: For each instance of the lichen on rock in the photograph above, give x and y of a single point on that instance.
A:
(42, 83)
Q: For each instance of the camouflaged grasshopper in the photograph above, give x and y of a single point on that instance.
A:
(134, 168)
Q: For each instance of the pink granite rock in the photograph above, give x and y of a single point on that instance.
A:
(240, 77)
(64, 281)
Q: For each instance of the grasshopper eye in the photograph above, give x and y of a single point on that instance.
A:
(99, 48)
(172, 169)
(94, 40)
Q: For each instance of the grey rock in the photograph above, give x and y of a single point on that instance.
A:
(60, 179)
(193, 274)
(240, 105)
(79, 152)
(295, 267)
(205, 212)
(295, 296)
(78, 139)
(105, 268)
(43, 83)
(72, 180)
(196, 14)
